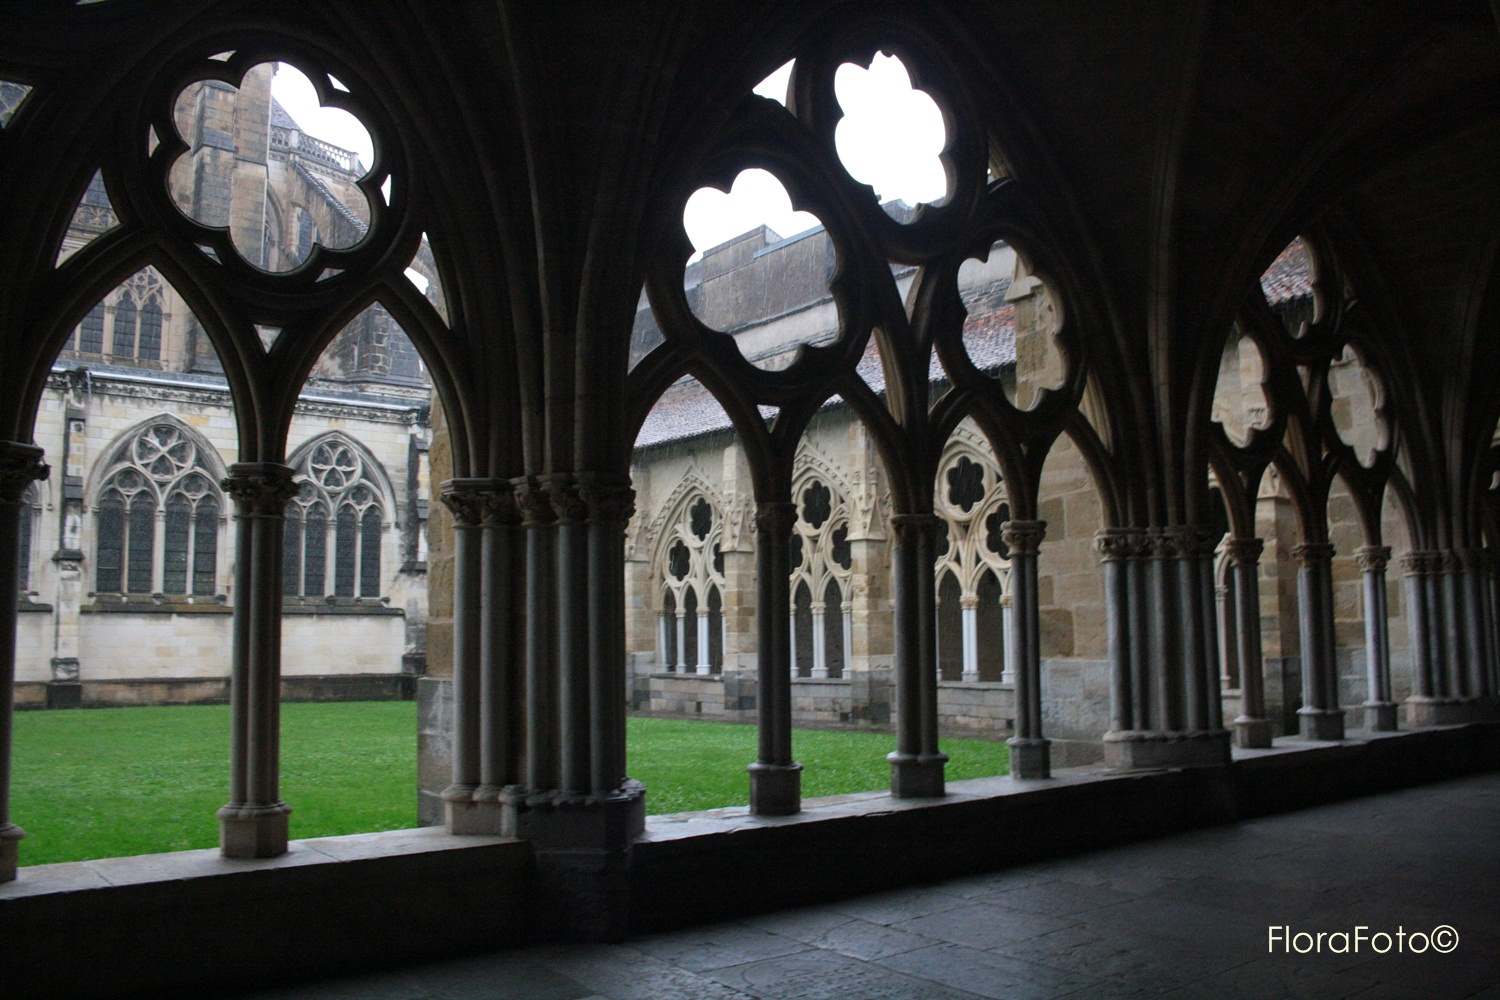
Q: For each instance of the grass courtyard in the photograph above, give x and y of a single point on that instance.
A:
(97, 783)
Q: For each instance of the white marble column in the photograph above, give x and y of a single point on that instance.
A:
(253, 824)
(969, 618)
(819, 641)
(704, 666)
(20, 466)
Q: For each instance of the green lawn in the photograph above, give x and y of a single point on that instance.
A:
(94, 783)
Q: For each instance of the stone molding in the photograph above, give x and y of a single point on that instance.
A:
(260, 489)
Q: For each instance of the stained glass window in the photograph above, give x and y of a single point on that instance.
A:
(111, 548)
(316, 558)
(149, 346)
(124, 339)
(206, 546)
(140, 539)
(343, 552)
(91, 331)
(369, 553)
(291, 554)
(24, 557)
(177, 530)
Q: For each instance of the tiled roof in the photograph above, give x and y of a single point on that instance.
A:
(1290, 274)
(280, 118)
(688, 410)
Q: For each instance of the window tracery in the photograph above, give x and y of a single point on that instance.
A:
(691, 577)
(158, 516)
(821, 561)
(337, 516)
(973, 564)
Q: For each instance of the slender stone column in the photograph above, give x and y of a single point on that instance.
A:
(540, 777)
(681, 625)
(662, 624)
(969, 613)
(917, 763)
(1380, 710)
(20, 466)
(1472, 564)
(1251, 727)
(819, 641)
(775, 778)
(1007, 664)
(1416, 565)
(1200, 555)
(1229, 661)
(703, 647)
(610, 507)
(254, 822)
(1117, 548)
(1322, 719)
(467, 499)
(1030, 752)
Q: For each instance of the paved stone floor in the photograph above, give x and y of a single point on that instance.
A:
(1187, 916)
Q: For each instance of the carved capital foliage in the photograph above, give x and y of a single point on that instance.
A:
(536, 505)
(1474, 560)
(1244, 551)
(1419, 562)
(472, 501)
(1313, 553)
(909, 528)
(608, 504)
(568, 504)
(260, 489)
(1372, 558)
(775, 518)
(1164, 543)
(1450, 561)
(1119, 543)
(20, 466)
(1024, 537)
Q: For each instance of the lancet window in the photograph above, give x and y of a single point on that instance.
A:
(127, 324)
(821, 561)
(158, 516)
(690, 629)
(334, 525)
(973, 565)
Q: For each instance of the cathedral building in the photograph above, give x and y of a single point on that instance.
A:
(1161, 442)
(129, 550)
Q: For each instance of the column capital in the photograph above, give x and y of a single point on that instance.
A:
(1475, 560)
(1450, 560)
(1244, 551)
(562, 493)
(1372, 558)
(473, 501)
(1313, 553)
(969, 602)
(608, 503)
(534, 500)
(1119, 543)
(910, 527)
(1024, 538)
(775, 517)
(260, 489)
(20, 466)
(1419, 561)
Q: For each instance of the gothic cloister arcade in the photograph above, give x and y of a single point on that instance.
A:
(1145, 164)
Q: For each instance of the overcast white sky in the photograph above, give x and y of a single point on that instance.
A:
(889, 138)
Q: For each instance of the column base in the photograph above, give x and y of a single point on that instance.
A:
(471, 811)
(564, 821)
(10, 843)
(1325, 724)
(1252, 734)
(253, 831)
(1030, 758)
(775, 789)
(1380, 716)
(917, 776)
(1428, 711)
(1149, 749)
